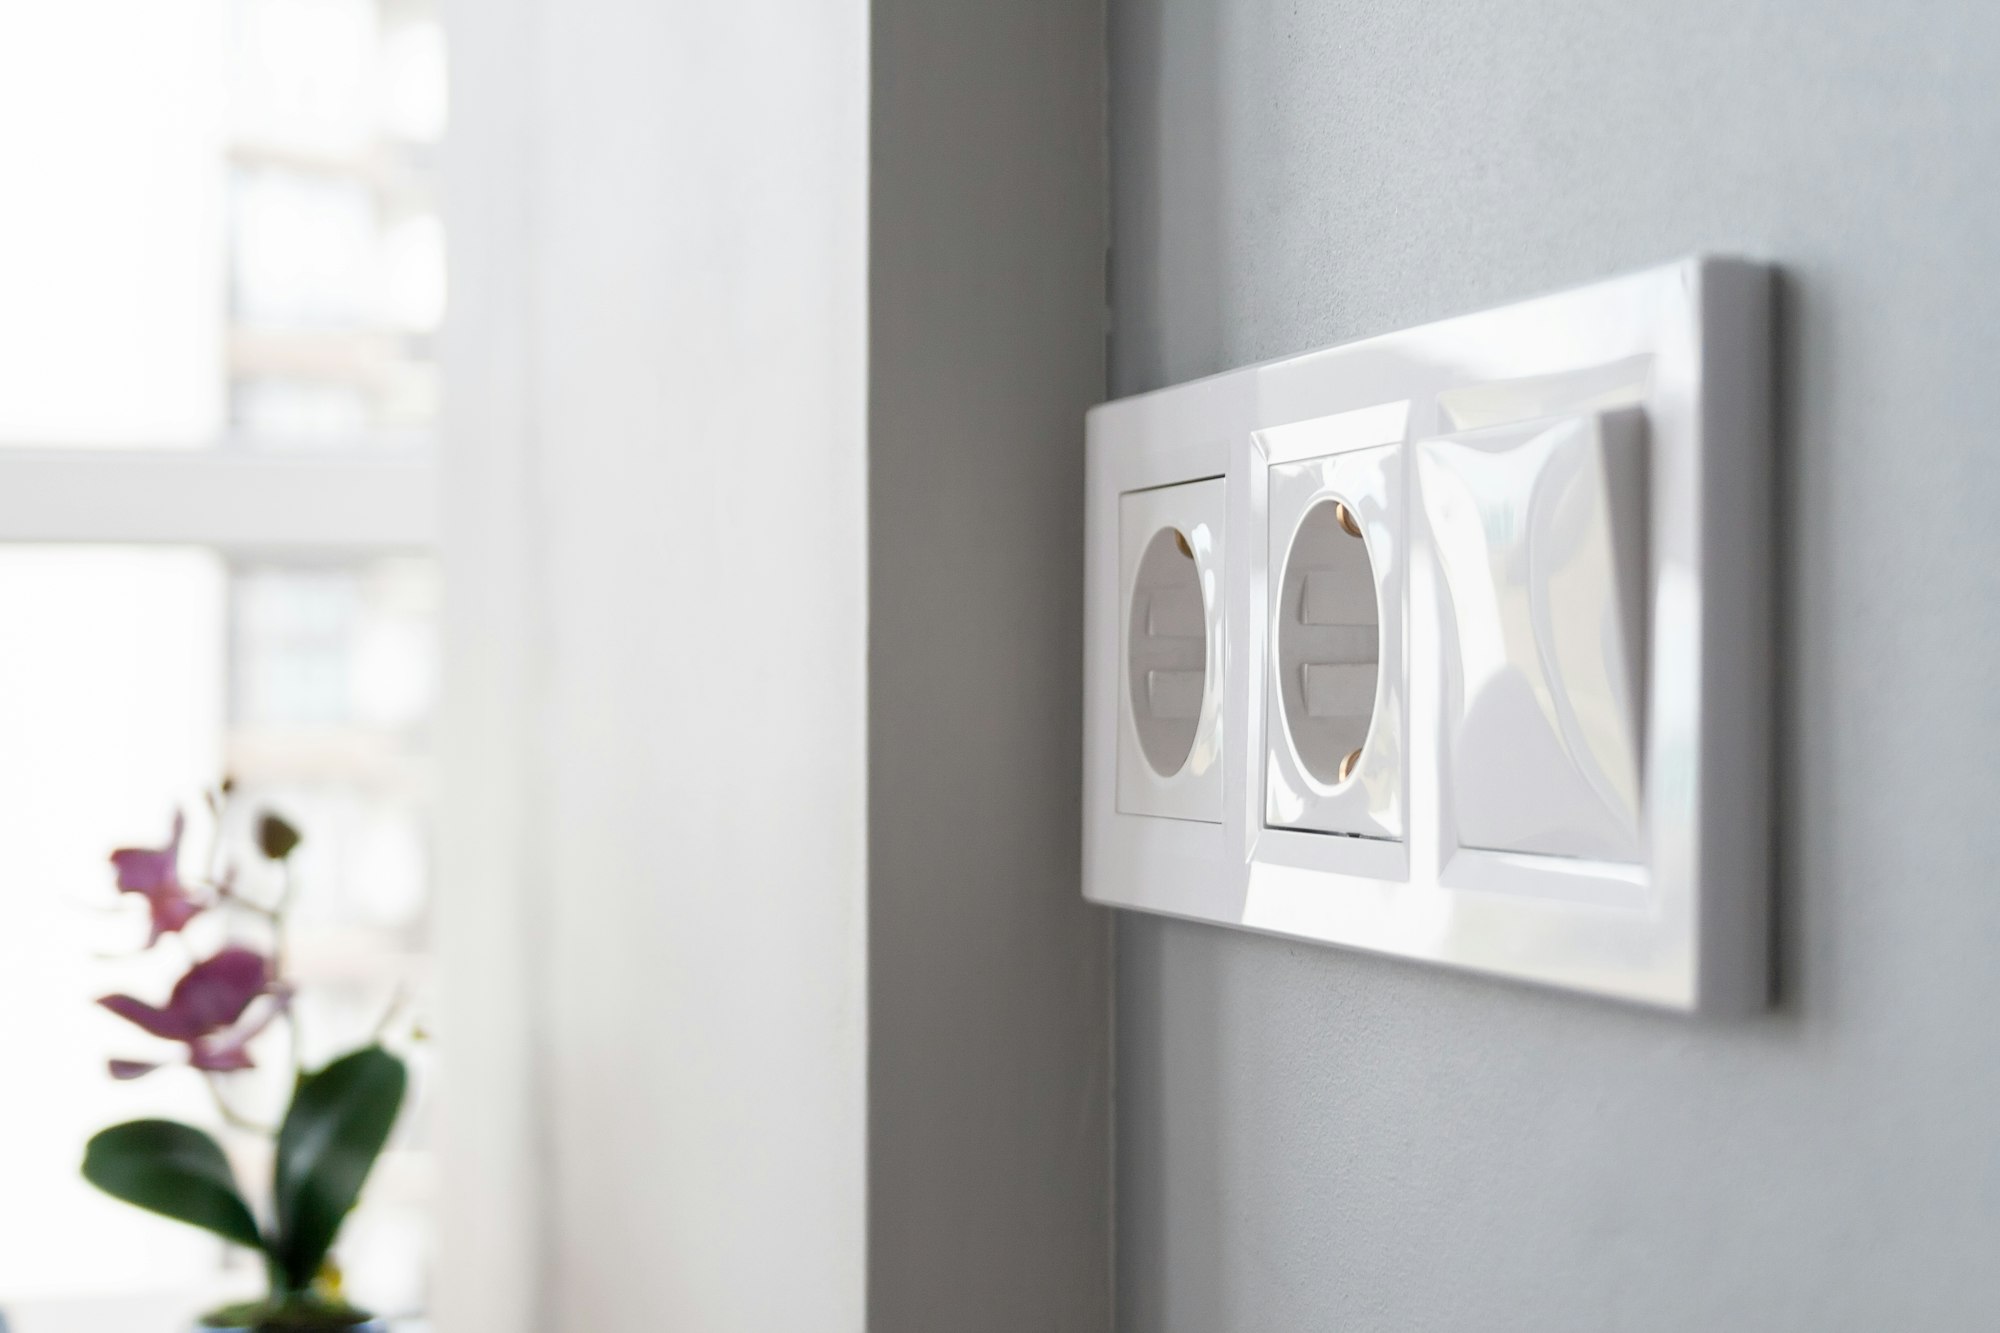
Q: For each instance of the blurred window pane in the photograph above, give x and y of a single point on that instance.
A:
(130, 678)
(306, 251)
(282, 409)
(111, 705)
(303, 72)
(111, 136)
(334, 681)
(222, 229)
(225, 221)
(332, 686)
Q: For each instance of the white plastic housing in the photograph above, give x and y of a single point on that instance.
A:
(1334, 696)
(1551, 638)
(1170, 715)
(1540, 534)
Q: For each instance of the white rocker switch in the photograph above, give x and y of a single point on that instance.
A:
(1540, 535)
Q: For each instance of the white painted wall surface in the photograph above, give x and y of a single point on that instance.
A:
(653, 856)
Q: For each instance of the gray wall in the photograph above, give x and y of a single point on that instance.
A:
(1311, 1139)
(988, 978)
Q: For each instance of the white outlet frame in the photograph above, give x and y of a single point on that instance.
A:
(1332, 444)
(1197, 509)
(1687, 929)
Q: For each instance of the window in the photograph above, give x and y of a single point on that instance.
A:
(221, 280)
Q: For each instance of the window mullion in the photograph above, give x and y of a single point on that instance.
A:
(231, 501)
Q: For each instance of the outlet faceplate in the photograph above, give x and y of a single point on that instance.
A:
(1471, 693)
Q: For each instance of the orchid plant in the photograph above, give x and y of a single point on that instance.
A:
(338, 1117)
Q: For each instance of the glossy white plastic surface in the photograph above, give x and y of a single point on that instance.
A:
(1540, 534)
(1564, 509)
(1336, 632)
(1170, 715)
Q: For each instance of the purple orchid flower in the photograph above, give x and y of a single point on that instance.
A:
(154, 874)
(206, 1012)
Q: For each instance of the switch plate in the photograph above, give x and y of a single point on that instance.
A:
(1539, 533)
(1563, 776)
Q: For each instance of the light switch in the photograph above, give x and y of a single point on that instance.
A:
(1540, 535)
(1170, 567)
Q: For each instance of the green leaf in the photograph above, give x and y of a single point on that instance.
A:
(172, 1169)
(339, 1119)
(275, 837)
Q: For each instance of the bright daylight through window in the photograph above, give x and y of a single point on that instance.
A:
(220, 292)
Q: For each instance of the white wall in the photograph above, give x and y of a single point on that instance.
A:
(656, 541)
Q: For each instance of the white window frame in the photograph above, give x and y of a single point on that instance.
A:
(234, 500)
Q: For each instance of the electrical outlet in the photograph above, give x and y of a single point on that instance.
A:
(1170, 572)
(1484, 679)
(1333, 744)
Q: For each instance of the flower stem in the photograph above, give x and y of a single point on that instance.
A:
(397, 1002)
(277, 916)
(230, 1115)
(218, 805)
(280, 931)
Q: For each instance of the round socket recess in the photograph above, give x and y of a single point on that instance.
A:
(1328, 650)
(1166, 651)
